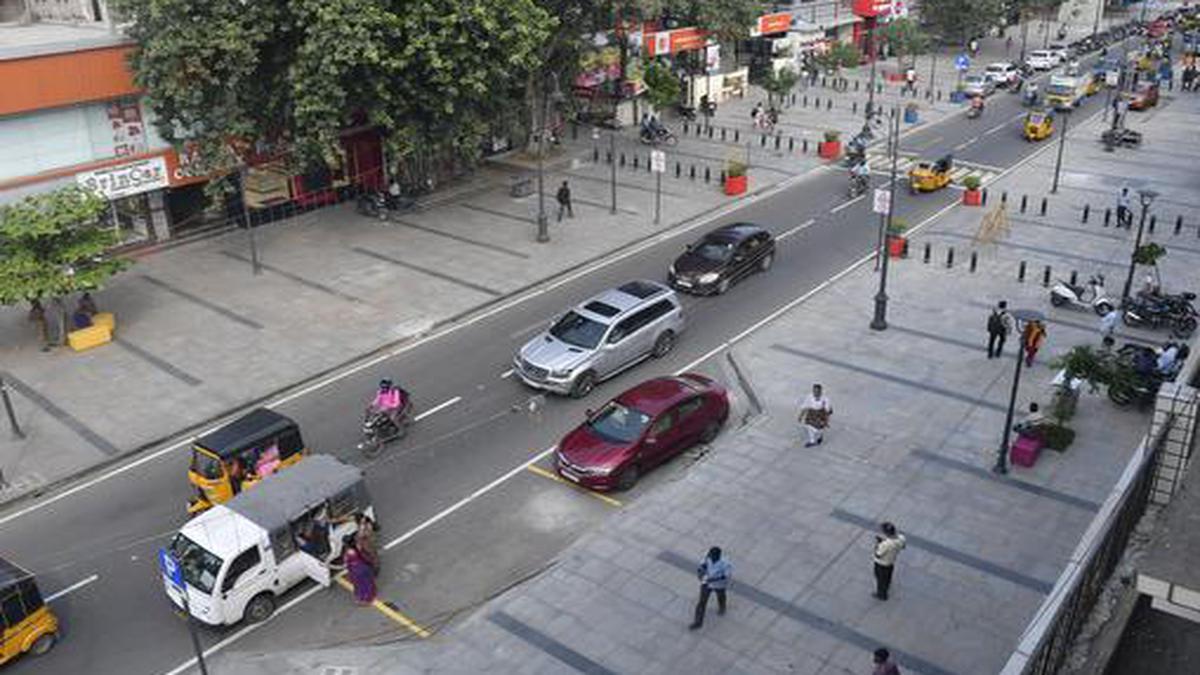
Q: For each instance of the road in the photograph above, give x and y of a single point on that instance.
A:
(465, 518)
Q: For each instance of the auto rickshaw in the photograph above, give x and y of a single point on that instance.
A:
(29, 625)
(1039, 125)
(927, 177)
(241, 453)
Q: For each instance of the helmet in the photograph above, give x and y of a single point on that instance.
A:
(385, 383)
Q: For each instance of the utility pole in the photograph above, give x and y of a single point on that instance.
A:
(1146, 197)
(871, 52)
(1024, 34)
(1099, 17)
(879, 321)
(1062, 141)
(612, 165)
(543, 222)
(254, 264)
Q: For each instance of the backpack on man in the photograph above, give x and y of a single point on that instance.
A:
(995, 324)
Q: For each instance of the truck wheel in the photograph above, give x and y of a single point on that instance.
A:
(260, 608)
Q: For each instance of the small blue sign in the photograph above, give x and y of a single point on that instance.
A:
(170, 568)
(962, 62)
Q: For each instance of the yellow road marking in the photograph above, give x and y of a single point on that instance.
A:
(388, 611)
(559, 479)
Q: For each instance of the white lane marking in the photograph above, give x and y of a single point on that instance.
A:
(965, 143)
(524, 465)
(996, 128)
(441, 406)
(72, 588)
(507, 374)
(799, 228)
(843, 205)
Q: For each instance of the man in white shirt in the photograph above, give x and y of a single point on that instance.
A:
(887, 547)
(1166, 360)
(1108, 323)
(814, 416)
(714, 573)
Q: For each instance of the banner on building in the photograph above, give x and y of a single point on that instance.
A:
(770, 24)
(124, 180)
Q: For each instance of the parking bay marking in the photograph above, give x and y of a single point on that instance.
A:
(388, 610)
(558, 479)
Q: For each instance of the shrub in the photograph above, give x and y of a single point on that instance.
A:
(1057, 437)
(832, 136)
(735, 169)
(972, 182)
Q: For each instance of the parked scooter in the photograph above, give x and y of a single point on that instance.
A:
(1066, 294)
(382, 205)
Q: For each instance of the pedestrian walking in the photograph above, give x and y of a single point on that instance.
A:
(1032, 339)
(887, 547)
(1108, 323)
(714, 573)
(564, 201)
(973, 45)
(884, 665)
(364, 540)
(814, 416)
(1008, 43)
(37, 316)
(1124, 215)
(910, 80)
(359, 571)
(999, 325)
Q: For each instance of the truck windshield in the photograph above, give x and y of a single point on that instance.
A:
(200, 567)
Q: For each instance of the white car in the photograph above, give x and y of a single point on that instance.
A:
(1002, 74)
(1041, 59)
(1060, 51)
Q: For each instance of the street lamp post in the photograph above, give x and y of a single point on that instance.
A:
(870, 110)
(1024, 35)
(1099, 17)
(1062, 142)
(879, 321)
(1020, 316)
(1146, 197)
(255, 267)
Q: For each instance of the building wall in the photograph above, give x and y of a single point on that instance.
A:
(68, 78)
(72, 11)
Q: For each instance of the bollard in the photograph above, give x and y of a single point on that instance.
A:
(804, 101)
(692, 172)
(595, 154)
(928, 253)
(804, 146)
(608, 156)
(678, 169)
(622, 159)
(829, 104)
(721, 177)
(822, 80)
(1004, 197)
(791, 143)
(950, 257)
(854, 107)
(928, 94)
(1024, 200)
(1046, 276)
(1153, 221)
(778, 140)
(635, 162)
(707, 175)
(737, 136)
(892, 113)
(1043, 211)
(574, 131)
(762, 140)
(1178, 224)
(856, 83)
(904, 249)
(722, 134)
(649, 169)
(710, 132)
(983, 197)
(1021, 272)
(793, 99)
(1074, 277)
(1107, 216)
(939, 95)
(974, 257)
(685, 128)
(1087, 208)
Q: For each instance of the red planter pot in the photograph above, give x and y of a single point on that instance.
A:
(829, 149)
(897, 246)
(736, 185)
(972, 198)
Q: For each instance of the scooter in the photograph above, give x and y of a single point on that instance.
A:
(382, 205)
(378, 429)
(1065, 294)
(974, 112)
(858, 185)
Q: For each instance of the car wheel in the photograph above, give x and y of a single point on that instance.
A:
(584, 385)
(629, 477)
(722, 286)
(260, 608)
(765, 263)
(43, 644)
(664, 344)
(710, 432)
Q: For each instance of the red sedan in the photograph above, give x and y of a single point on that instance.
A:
(640, 429)
(1144, 96)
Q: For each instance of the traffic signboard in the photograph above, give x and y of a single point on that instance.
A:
(170, 568)
(658, 161)
(883, 199)
(962, 62)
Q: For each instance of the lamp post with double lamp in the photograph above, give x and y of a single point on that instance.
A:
(1146, 197)
(543, 221)
(879, 321)
(1020, 317)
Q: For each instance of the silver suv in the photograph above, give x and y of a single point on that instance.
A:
(601, 337)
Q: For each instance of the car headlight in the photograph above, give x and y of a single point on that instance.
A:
(709, 278)
(565, 372)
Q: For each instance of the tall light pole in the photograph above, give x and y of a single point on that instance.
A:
(543, 222)
(254, 264)
(879, 321)
(1099, 17)
(1062, 142)
(1024, 34)
(1146, 197)
(1020, 316)
(870, 94)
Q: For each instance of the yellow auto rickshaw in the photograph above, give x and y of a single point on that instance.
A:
(927, 177)
(1039, 125)
(29, 625)
(241, 453)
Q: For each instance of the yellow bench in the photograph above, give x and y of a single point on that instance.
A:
(99, 333)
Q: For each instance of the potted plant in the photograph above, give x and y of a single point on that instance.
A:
(831, 147)
(736, 179)
(972, 196)
(897, 243)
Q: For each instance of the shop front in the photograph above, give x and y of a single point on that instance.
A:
(134, 191)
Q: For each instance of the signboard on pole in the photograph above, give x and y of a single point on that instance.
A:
(171, 570)
(1111, 78)
(883, 201)
(962, 62)
(658, 161)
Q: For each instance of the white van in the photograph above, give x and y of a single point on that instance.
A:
(238, 557)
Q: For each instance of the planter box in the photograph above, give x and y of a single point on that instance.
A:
(957, 97)
(897, 245)
(910, 116)
(972, 198)
(736, 185)
(829, 149)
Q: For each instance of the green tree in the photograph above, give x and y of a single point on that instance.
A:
(662, 87)
(430, 74)
(53, 244)
(960, 20)
(906, 39)
(779, 82)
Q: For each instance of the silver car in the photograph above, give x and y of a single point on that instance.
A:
(978, 85)
(601, 337)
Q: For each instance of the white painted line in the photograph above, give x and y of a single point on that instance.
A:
(843, 205)
(507, 374)
(799, 228)
(72, 588)
(998, 127)
(965, 143)
(440, 406)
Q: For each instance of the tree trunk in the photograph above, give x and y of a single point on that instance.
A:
(62, 320)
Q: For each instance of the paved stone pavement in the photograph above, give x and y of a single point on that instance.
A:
(918, 415)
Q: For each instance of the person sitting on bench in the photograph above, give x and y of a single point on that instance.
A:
(1032, 424)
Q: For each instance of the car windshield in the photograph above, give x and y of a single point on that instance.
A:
(619, 423)
(716, 251)
(580, 331)
(200, 567)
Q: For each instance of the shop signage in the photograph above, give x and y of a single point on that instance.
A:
(871, 8)
(123, 180)
(658, 161)
(769, 24)
(712, 58)
(675, 41)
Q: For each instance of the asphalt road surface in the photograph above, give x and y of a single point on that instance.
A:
(466, 518)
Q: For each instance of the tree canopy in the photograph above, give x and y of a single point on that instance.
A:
(53, 244)
(960, 20)
(296, 72)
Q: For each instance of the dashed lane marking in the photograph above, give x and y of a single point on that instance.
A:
(799, 228)
(578, 488)
(843, 205)
(507, 374)
(72, 588)
(441, 406)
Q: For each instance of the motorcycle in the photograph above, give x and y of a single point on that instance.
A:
(1178, 315)
(382, 205)
(686, 112)
(858, 185)
(1066, 294)
(379, 429)
(657, 135)
(974, 112)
